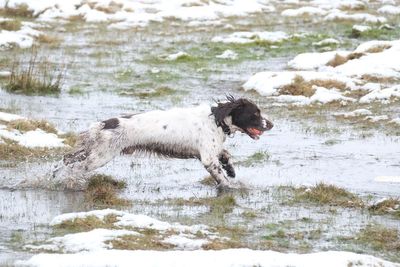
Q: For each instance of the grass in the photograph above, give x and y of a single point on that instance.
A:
(380, 238)
(256, 158)
(388, 206)
(10, 150)
(340, 60)
(328, 195)
(69, 138)
(102, 190)
(136, 242)
(21, 10)
(49, 39)
(87, 223)
(38, 77)
(31, 125)
(10, 25)
(306, 88)
(220, 204)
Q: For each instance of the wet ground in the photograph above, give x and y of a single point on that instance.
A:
(109, 73)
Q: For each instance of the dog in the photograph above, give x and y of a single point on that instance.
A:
(183, 133)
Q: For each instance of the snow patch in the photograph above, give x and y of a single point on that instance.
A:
(228, 54)
(200, 258)
(85, 241)
(252, 37)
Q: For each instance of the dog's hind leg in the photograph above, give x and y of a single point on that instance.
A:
(226, 162)
(94, 149)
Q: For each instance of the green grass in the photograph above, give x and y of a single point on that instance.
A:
(256, 158)
(324, 194)
(37, 77)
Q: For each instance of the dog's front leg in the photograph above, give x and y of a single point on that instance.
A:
(226, 161)
(214, 167)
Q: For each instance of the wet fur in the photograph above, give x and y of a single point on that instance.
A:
(183, 133)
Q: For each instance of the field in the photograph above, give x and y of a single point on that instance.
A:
(322, 187)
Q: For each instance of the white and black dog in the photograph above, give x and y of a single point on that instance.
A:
(197, 132)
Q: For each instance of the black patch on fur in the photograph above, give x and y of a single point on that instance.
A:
(76, 156)
(110, 124)
(165, 127)
(169, 151)
(224, 160)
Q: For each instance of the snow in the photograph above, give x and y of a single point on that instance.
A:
(361, 17)
(323, 95)
(389, 9)
(361, 28)
(228, 54)
(310, 61)
(326, 42)
(182, 242)
(382, 95)
(31, 139)
(395, 121)
(377, 118)
(125, 219)
(388, 179)
(200, 258)
(269, 82)
(251, 37)
(142, 11)
(176, 56)
(7, 117)
(9, 38)
(376, 61)
(303, 11)
(355, 113)
(85, 241)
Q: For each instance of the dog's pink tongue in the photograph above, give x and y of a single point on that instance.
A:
(255, 131)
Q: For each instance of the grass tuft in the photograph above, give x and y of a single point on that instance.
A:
(256, 158)
(340, 60)
(37, 77)
(328, 195)
(87, 223)
(31, 125)
(21, 10)
(10, 25)
(10, 150)
(380, 237)
(388, 206)
(298, 87)
(103, 190)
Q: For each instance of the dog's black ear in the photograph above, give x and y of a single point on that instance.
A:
(223, 110)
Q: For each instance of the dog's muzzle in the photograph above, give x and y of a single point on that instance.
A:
(266, 124)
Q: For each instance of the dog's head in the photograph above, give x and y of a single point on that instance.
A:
(245, 117)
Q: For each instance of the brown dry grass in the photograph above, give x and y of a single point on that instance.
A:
(10, 150)
(298, 87)
(21, 10)
(49, 39)
(388, 206)
(87, 223)
(340, 60)
(10, 25)
(103, 190)
(31, 125)
(305, 88)
(378, 48)
(380, 238)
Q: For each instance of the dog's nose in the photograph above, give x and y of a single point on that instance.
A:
(268, 125)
